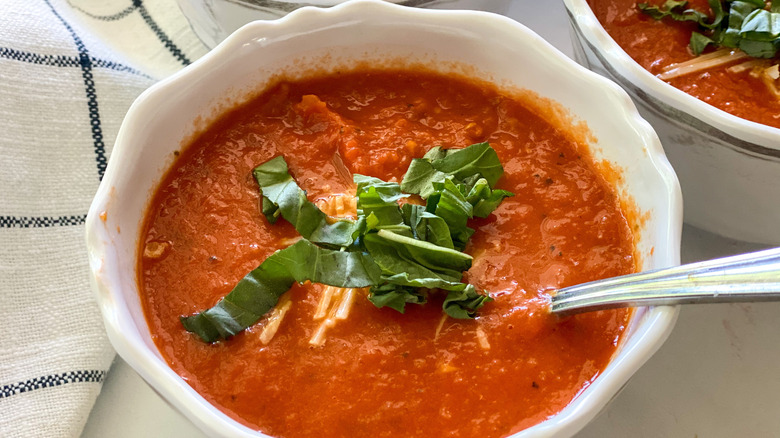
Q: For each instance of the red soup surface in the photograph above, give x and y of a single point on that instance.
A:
(657, 44)
(379, 372)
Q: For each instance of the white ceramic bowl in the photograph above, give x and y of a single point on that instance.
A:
(729, 168)
(162, 120)
(213, 20)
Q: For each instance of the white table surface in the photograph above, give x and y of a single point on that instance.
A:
(715, 377)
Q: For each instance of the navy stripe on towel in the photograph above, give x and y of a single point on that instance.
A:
(89, 84)
(97, 62)
(139, 6)
(173, 48)
(85, 376)
(40, 221)
(34, 58)
(63, 61)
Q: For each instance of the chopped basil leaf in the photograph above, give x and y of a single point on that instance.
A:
(282, 196)
(756, 3)
(699, 42)
(377, 201)
(396, 296)
(675, 10)
(419, 177)
(464, 303)
(730, 35)
(477, 159)
(761, 25)
(761, 34)
(259, 290)
(438, 164)
(484, 199)
(427, 226)
(450, 204)
(396, 254)
(747, 25)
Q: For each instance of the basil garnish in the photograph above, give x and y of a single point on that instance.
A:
(259, 290)
(401, 252)
(282, 197)
(747, 25)
(438, 164)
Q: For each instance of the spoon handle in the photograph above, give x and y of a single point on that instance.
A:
(746, 277)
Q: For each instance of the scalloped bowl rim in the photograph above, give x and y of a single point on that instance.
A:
(764, 135)
(657, 322)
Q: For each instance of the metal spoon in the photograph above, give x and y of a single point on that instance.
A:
(747, 277)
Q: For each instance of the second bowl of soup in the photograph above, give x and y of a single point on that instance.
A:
(717, 114)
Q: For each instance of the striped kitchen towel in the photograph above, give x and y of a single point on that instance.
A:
(69, 71)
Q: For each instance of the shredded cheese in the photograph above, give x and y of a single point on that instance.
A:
(773, 72)
(439, 327)
(770, 76)
(319, 336)
(482, 339)
(761, 69)
(335, 302)
(703, 62)
(748, 65)
(347, 298)
(324, 304)
(758, 68)
(275, 318)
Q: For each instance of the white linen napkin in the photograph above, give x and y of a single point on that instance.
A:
(68, 73)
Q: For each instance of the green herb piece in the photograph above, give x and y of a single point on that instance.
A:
(377, 201)
(699, 42)
(396, 296)
(409, 264)
(396, 254)
(760, 33)
(427, 226)
(730, 34)
(676, 10)
(259, 290)
(484, 199)
(747, 25)
(450, 204)
(283, 197)
(463, 304)
(419, 177)
(401, 252)
(438, 164)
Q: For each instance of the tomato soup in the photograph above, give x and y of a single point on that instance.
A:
(658, 44)
(379, 372)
